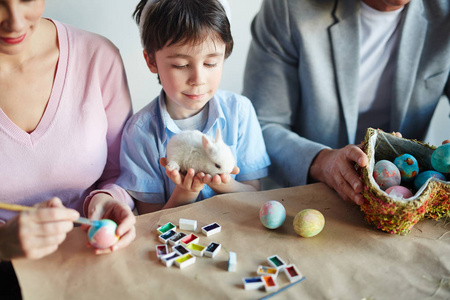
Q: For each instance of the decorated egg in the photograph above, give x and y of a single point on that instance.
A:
(408, 166)
(386, 174)
(424, 176)
(272, 214)
(103, 234)
(399, 191)
(440, 159)
(309, 222)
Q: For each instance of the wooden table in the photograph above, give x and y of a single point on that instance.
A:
(349, 259)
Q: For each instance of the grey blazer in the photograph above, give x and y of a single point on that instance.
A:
(302, 72)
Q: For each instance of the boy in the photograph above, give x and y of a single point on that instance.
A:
(186, 44)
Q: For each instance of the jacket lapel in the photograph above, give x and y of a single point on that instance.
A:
(409, 52)
(345, 48)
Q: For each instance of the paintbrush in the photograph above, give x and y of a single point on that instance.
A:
(17, 207)
(284, 288)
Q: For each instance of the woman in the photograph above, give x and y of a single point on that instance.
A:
(64, 100)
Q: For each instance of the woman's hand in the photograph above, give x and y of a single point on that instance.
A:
(103, 206)
(36, 233)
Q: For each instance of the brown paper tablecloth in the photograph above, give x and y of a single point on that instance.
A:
(349, 259)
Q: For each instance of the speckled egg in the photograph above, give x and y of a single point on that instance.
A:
(440, 159)
(386, 174)
(421, 178)
(272, 214)
(408, 166)
(103, 235)
(309, 222)
(399, 191)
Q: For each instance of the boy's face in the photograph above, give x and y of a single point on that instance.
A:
(190, 75)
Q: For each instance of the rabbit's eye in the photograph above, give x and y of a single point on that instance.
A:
(217, 166)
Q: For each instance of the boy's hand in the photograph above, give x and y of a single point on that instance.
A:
(217, 181)
(189, 182)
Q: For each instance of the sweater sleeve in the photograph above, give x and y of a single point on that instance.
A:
(117, 104)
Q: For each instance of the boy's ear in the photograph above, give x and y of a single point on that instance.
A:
(150, 62)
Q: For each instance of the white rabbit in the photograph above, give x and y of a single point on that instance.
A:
(193, 149)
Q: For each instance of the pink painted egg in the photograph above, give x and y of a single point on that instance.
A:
(399, 192)
(386, 174)
(272, 214)
(103, 234)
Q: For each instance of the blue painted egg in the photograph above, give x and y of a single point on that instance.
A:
(440, 159)
(272, 214)
(386, 174)
(424, 176)
(103, 234)
(408, 166)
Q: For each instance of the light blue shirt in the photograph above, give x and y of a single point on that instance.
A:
(146, 134)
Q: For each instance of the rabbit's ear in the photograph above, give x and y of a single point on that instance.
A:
(218, 135)
(206, 143)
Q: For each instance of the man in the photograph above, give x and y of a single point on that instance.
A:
(320, 73)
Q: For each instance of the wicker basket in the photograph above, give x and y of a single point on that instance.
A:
(395, 215)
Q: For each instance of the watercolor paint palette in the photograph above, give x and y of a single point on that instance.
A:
(211, 229)
(212, 249)
(175, 240)
(269, 276)
(232, 261)
(181, 249)
(168, 259)
(191, 238)
(186, 224)
(166, 227)
(264, 270)
(161, 250)
(185, 248)
(276, 262)
(165, 237)
(293, 273)
(196, 249)
(253, 283)
(269, 283)
(185, 260)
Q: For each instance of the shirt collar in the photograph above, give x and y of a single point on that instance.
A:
(216, 117)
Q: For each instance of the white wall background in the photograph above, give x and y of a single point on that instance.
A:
(113, 19)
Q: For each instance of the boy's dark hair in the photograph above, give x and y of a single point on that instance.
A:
(172, 22)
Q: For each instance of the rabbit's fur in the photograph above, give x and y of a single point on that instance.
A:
(193, 149)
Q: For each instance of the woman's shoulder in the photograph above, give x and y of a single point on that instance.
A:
(83, 40)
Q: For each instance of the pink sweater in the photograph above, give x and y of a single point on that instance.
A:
(75, 148)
